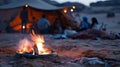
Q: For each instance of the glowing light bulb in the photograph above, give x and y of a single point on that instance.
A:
(71, 10)
(23, 27)
(65, 11)
(73, 7)
(26, 5)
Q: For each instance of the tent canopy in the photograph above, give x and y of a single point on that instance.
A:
(36, 8)
(38, 4)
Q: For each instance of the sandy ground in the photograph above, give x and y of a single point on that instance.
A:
(67, 50)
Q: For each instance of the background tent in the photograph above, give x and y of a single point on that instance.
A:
(10, 13)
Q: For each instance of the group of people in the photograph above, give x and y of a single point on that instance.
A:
(85, 25)
(87, 30)
(84, 31)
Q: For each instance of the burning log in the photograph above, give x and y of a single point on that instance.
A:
(35, 50)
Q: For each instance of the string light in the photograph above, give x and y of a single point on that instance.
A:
(65, 11)
(71, 10)
(73, 7)
(23, 26)
(26, 5)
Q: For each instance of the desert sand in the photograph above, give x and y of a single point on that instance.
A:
(67, 50)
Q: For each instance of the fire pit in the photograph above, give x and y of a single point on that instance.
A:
(31, 56)
(34, 48)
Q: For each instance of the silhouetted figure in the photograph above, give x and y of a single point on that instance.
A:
(57, 26)
(33, 25)
(43, 25)
(94, 23)
(24, 18)
(85, 25)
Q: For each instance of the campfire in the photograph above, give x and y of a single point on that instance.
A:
(33, 47)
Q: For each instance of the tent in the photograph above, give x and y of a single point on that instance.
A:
(10, 13)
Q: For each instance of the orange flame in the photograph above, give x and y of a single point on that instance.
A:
(33, 32)
(39, 41)
(29, 46)
(25, 46)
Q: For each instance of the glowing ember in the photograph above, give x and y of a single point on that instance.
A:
(36, 45)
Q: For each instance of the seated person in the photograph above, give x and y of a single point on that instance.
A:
(85, 25)
(95, 25)
(34, 26)
(43, 25)
(57, 26)
(96, 29)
